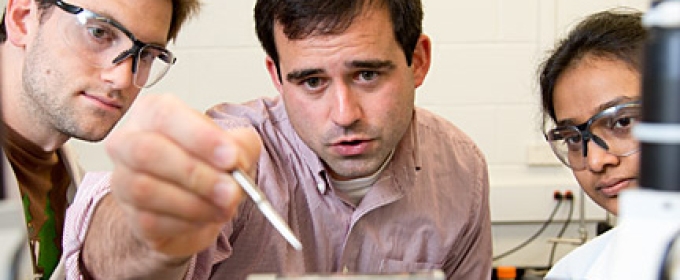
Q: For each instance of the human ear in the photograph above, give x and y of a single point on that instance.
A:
(274, 74)
(21, 18)
(421, 59)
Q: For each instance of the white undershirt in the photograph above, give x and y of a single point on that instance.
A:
(356, 189)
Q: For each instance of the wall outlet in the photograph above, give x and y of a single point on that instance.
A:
(541, 155)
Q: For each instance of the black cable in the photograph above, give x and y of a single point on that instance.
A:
(533, 237)
(561, 233)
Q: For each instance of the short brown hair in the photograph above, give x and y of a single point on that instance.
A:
(302, 18)
(182, 10)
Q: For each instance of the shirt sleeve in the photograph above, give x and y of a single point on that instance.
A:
(91, 190)
(94, 187)
(473, 258)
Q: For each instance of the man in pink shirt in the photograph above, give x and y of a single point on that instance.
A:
(367, 181)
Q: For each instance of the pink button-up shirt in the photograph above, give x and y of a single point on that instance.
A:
(428, 210)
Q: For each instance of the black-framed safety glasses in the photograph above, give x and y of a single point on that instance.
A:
(104, 43)
(610, 129)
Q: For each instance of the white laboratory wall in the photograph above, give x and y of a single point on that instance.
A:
(483, 78)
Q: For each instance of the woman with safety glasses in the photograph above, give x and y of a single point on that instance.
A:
(590, 90)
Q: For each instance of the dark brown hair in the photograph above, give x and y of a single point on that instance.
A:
(182, 10)
(302, 18)
(613, 34)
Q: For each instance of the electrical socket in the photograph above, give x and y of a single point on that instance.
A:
(557, 195)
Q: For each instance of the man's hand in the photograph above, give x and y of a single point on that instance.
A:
(171, 176)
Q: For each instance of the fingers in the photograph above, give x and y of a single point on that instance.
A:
(154, 158)
(192, 130)
(148, 194)
(251, 143)
(168, 235)
(172, 175)
(194, 154)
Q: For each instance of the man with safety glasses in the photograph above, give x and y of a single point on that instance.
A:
(72, 69)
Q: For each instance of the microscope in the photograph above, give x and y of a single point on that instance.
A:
(649, 217)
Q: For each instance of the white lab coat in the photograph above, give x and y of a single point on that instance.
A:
(590, 261)
(12, 192)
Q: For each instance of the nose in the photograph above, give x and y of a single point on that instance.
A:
(346, 108)
(599, 158)
(119, 75)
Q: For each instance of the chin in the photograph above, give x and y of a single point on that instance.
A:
(90, 138)
(92, 135)
(612, 206)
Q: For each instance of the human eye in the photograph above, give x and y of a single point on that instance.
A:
(148, 55)
(313, 83)
(571, 139)
(100, 34)
(624, 120)
(165, 57)
(367, 75)
(573, 142)
(622, 126)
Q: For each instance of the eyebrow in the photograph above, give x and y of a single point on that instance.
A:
(301, 74)
(371, 64)
(355, 64)
(110, 20)
(600, 108)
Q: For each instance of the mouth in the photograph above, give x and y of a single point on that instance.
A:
(103, 101)
(349, 142)
(351, 147)
(612, 188)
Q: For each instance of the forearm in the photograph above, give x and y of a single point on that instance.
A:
(111, 251)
